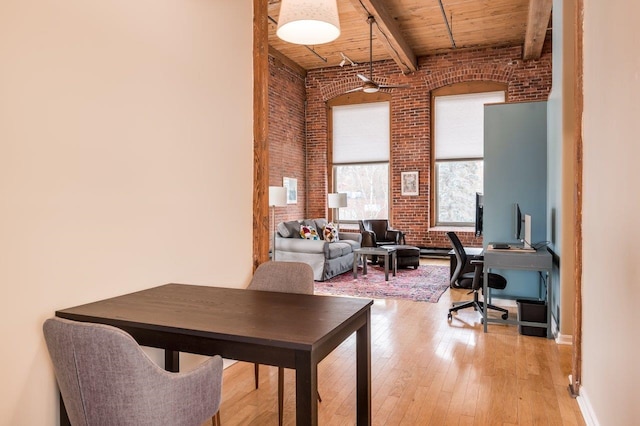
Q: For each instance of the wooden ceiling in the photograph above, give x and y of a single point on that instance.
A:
(406, 29)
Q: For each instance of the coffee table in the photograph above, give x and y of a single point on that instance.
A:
(377, 251)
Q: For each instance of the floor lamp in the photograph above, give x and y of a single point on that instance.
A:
(335, 201)
(277, 198)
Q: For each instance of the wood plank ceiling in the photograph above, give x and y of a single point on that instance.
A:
(407, 29)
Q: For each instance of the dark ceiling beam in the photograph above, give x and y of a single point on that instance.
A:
(537, 24)
(388, 32)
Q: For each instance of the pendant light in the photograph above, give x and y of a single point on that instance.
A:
(308, 22)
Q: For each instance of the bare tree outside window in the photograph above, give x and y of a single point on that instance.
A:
(367, 188)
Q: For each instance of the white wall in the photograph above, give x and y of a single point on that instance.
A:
(125, 162)
(611, 250)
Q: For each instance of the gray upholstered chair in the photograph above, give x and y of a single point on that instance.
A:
(283, 277)
(106, 379)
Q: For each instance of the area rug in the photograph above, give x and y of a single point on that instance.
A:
(425, 284)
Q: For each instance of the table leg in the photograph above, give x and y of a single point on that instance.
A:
(386, 266)
(363, 373)
(394, 262)
(172, 361)
(485, 280)
(306, 390)
(64, 417)
(356, 257)
(364, 265)
(549, 287)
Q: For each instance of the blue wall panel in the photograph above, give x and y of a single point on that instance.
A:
(515, 171)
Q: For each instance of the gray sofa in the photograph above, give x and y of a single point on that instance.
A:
(327, 259)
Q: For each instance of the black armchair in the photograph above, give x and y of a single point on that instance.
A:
(494, 281)
(378, 232)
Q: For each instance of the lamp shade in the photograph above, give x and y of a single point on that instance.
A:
(277, 196)
(308, 22)
(336, 200)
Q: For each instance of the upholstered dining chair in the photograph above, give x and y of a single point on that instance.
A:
(283, 277)
(476, 277)
(106, 379)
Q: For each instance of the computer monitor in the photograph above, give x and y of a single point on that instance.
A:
(517, 221)
(521, 222)
(479, 211)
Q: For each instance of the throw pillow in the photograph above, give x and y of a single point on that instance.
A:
(330, 232)
(309, 232)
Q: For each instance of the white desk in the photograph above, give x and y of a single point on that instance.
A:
(538, 260)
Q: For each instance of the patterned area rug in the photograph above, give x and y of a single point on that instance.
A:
(425, 284)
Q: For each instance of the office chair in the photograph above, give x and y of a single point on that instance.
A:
(495, 281)
(106, 379)
(283, 277)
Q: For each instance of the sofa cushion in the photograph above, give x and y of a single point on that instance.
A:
(337, 249)
(320, 223)
(330, 232)
(289, 229)
(309, 232)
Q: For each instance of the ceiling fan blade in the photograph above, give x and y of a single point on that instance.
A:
(365, 78)
(357, 89)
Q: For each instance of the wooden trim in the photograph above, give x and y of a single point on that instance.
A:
(576, 361)
(286, 61)
(537, 24)
(463, 88)
(359, 98)
(260, 133)
(470, 87)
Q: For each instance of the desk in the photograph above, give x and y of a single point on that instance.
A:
(247, 325)
(538, 260)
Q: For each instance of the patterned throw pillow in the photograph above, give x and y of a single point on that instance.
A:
(330, 232)
(309, 232)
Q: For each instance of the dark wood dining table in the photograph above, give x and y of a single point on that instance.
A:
(282, 329)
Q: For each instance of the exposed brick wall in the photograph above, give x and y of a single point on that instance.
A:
(291, 155)
(410, 122)
(287, 153)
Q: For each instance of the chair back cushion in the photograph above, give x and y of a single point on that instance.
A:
(283, 277)
(377, 226)
(105, 378)
(461, 256)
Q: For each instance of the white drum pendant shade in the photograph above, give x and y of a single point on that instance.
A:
(308, 22)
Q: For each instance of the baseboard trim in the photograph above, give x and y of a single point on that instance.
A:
(586, 409)
(564, 339)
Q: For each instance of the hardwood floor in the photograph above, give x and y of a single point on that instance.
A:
(425, 371)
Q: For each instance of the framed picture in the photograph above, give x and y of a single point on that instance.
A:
(292, 189)
(410, 183)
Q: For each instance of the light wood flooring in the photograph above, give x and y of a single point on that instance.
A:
(425, 371)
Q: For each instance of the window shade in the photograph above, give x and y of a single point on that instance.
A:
(361, 133)
(459, 123)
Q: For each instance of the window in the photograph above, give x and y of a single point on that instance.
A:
(361, 159)
(458, 142)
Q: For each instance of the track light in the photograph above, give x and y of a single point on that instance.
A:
(345, 58)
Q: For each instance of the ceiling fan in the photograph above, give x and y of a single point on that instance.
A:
(369, 85)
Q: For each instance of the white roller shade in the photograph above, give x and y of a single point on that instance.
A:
(459, 124)
(361, 133)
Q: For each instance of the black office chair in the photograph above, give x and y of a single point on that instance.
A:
(495, 281)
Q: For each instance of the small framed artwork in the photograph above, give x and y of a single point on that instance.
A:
(409, 183)
(292, 189)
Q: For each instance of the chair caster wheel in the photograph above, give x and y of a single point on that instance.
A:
(505, 316)
(449, 316)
